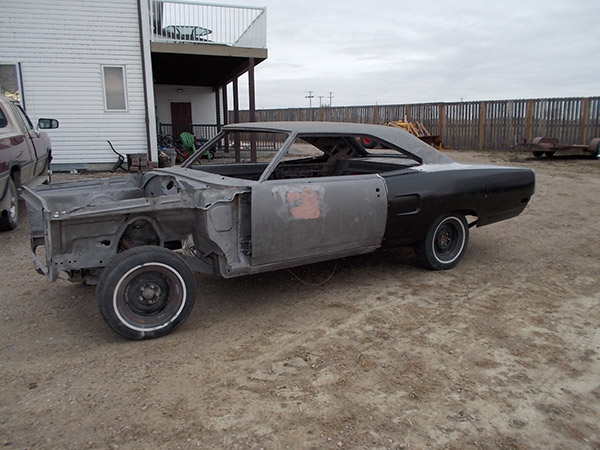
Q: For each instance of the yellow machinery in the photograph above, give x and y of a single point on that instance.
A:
(418, 129)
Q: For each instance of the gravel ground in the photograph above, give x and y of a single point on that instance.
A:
(501, 352)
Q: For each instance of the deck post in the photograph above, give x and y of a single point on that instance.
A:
(236, 119)
(252, 106)
(218, 108)
(225, 115)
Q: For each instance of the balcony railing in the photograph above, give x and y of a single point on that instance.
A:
(207, 23)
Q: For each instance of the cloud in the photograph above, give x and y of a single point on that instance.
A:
(434, 50)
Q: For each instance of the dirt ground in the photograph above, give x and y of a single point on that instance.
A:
(501, 352)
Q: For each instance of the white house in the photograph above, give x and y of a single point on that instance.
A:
(126, 70)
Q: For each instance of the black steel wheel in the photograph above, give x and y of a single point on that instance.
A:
(445, 243)
(146, 292)
(549, 154)
(538, 154)
(10, 218)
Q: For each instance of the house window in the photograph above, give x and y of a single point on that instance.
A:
(115, 89)
(9, 81)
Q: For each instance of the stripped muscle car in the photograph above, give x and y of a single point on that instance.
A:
(313, 194)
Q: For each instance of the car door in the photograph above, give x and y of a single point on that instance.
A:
(33, 165)
(317, 218)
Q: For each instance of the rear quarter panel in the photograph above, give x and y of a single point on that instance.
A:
(417, 196)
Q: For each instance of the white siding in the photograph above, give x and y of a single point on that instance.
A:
(62, 46)
(201, 98)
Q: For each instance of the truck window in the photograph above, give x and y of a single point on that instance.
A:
(24, 117)
(3, 120)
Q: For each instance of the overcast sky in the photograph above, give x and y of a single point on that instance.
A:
(394, 51)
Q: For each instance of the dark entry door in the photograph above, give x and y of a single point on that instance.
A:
(181, 118)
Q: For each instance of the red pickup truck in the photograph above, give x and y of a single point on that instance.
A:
(25, 155)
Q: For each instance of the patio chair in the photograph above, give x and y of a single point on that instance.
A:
(187, 140)
(189, 145)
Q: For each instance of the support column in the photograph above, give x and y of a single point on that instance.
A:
(236, 101)
(225, 115)
(218, 108)
(236, 119)
(145, 34)
(252, 106)
(225, 106)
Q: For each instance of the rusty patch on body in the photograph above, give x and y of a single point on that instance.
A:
(305, 204)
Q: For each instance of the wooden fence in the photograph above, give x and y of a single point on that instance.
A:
(470, 125)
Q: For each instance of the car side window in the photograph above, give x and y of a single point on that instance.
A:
(3, 120)
(302, 160)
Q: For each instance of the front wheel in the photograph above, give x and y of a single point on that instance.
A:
(146, 292)
(445, 243)
(10, 218)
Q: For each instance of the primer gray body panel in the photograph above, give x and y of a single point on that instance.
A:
(296, 219)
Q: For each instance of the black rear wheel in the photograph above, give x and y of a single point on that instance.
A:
(146, 292)
(445, 243)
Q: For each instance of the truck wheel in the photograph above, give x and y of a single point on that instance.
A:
(10, 218)
(146, 292)
(445, 243)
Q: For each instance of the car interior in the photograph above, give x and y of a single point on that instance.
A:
(314, 156)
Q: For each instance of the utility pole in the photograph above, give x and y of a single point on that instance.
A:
(321, 100)
(310, 96)
(330, 99)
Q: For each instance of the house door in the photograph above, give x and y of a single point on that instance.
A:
(181, 118)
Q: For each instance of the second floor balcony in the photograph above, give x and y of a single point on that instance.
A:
(181, 21)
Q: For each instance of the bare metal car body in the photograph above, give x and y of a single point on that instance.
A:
(237, 219)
